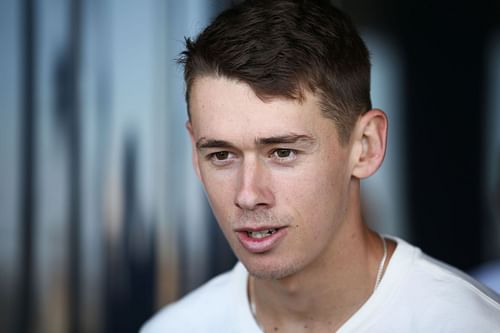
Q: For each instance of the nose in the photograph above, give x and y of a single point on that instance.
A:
(253, 190)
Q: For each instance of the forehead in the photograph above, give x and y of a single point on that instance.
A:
(222, 107)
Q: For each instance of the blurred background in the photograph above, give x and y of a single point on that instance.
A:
(102, 220)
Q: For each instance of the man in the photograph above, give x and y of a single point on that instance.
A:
(282, 131)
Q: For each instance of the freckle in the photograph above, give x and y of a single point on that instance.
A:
(305, 326)
(296, 226)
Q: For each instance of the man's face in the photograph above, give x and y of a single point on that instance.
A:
(275, 174)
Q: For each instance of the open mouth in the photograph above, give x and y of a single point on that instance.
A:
(261, 233)
(263, 240)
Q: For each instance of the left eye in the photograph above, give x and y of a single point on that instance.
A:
(284, 153)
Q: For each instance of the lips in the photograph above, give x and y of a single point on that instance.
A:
(262, 239)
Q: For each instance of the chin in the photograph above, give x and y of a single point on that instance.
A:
(271, 272)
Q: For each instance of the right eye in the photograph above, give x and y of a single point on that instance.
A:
(220, 155)
(221, 158)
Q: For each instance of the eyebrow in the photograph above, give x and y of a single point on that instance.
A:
(204, 143)
(290, 138)
(210, 143)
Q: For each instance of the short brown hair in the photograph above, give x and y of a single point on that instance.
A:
(281, 48)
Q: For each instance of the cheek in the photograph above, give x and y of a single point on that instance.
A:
(218, 189)
(317, 197)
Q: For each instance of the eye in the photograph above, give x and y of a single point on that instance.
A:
(221, 155)
(283, 154)
(221, 158)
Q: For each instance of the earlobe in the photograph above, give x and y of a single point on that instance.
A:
(194, 152)
(371, 136)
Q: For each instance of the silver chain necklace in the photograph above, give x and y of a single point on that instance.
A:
(380, 272)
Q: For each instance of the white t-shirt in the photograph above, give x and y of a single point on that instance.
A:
(416, 294)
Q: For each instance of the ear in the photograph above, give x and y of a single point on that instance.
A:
(370, 136)
(194, 152)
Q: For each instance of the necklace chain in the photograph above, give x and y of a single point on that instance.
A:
(380, 272)
(382, 263)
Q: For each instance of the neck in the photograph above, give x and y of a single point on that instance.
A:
(328, 292)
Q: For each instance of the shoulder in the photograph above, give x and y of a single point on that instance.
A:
(456, 286)
(203, 309)
(446, 295)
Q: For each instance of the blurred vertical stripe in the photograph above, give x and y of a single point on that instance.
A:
(26, 204)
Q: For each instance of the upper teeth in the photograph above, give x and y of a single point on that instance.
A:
(261, 234)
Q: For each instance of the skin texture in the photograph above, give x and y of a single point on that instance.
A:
(279, 164)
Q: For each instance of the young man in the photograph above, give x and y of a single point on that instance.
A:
(282, 132)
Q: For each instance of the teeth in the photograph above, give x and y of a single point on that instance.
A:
(261, 234)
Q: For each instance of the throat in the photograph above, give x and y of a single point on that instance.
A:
(323, 299)
(299, 313)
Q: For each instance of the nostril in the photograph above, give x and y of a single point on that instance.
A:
(252, 201)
